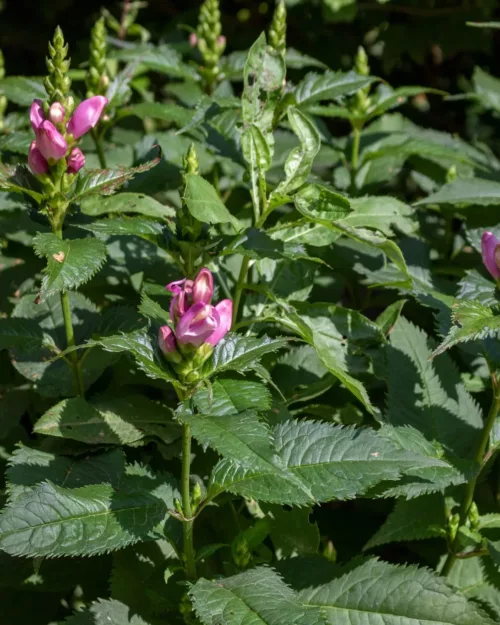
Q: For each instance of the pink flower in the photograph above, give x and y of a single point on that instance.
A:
(197, 324)
(180, 301)
(36, 114)
(225, 311)
(36, 161)
(50, 141)
(193, 40)
(75, 160)
(56, 113)
(203, 287)
(167, 344)
(86, 115)
(490, 248)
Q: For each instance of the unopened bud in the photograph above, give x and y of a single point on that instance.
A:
(193, 40)
(56, 113)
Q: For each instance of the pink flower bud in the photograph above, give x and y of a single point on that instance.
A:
(36, 161)
(50, 141)
(225, 312)
(490, 248)
(203, 287)
(197, 324)
(56, 113)
(36, 114)
(75, 160)
(193, 40)
(221, 40)
(181, 301)
(86, 115)
(167, 344)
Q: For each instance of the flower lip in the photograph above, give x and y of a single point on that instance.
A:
(197, 324)
(490, 251)
(86, 115)
(203, 286)
(37, 116)
(50, 141)
(225, 312)
(76, 160)
(36, 161)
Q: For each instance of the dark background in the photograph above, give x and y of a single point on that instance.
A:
(424, 42)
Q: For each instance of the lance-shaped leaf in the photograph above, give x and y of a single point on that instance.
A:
(465, 193)
(378, 593)
(228, 396)
(126, 203)
(256, 597)
(384, 213)
(70, 262)
(22, 90)
(162, 58)
(121, 226)
(121, 420)
(203, 202)
(106, 612)
(25, 334)
(54, 521)
(106, 181)
(332, 462)
(300, 160)
(329, 86)
(20, 180)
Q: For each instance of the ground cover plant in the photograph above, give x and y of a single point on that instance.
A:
(248, 337)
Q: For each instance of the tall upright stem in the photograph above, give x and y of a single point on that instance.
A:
(242, 278)
(98, 146)
(188, 547)
(355, 148)
(70, 336)
(471, 486)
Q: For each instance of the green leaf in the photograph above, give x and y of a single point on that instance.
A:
(487, 87)
(117, 421)
(22, 90)
(300, 160)
(376, 592)
(17, 141)
(292, 532)
(19, 179)
(228, 396)
(256, 597)
(122, 226)
(166, 112)
(472, 321)
(54, 521)
(384, 213)
(329, 86)
(415, 519)
(465, 193)
(162, 58)
(389, 98)
(239, 353)
(24, 334)
(106, 612)
(329, 461)
(106, 181)
(70, 262)
(203, 202)
(126, 203)
(321, 205)
(28, 467)
(429, 395)
(297, 60)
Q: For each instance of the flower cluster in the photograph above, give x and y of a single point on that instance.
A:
(196, 322)
(55, 140)
(490, 248)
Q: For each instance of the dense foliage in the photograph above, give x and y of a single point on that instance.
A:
(249, 336)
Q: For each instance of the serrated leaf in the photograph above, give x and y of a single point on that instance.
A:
(413, 519)
(126, 203)
(54, 521)
(239, 353)
(203, 202)
(384, 213)
(329, 86)
(292, 531)
(429, 395)
(465, 193)
(226, 396)
(255, 597)
(487, 87)
(106, 181)
(162, 58)
(388, 98)
(166, 112)
(121, 420)
(70, 262)
(106, 612)
(472, 321)
(20, 180)
(321, 204)
(379, 593)
(332, 462)
(22, 90)
(24, 334)
(122, 226)
(28, 467)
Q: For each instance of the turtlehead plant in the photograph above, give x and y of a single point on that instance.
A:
(249, 318)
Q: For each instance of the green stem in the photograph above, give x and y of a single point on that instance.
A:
(242, 278)
(189, 557)
(471, 486)
(355, 148)
(98, 146)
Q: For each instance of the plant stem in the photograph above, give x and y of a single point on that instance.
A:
(98, 147)
(471, 486)
(242, 278)
(187, 529)
(355, 148)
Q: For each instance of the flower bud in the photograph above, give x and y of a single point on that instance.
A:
(36, 114)
(36, 161)
(86, 115)
(193, 40)
(490, 249)
(50, 141)
(75, 160)
(225, 313)
(197, 324)
(167, 344)
(180, 302)
(56, 113)
(203, 287)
